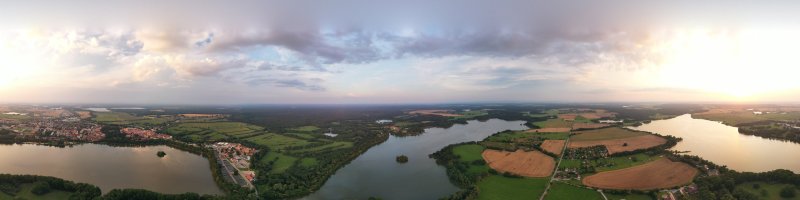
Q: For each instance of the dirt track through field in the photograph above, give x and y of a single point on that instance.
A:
(662, 173)
(553, 146)
(622, 144)
(549, 130)
(528, 164)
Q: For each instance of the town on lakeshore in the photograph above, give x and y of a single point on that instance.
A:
(399, 100)
(597, 151)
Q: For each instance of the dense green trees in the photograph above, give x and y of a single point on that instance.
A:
(10, 184)
(40, 188)
(788, 192)
(401, 159)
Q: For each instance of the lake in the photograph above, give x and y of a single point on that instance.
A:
(113, 167)
(376, 173)
(724, 145)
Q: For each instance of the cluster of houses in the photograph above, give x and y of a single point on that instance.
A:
(143, 134)
(236, 159)
(52, 129)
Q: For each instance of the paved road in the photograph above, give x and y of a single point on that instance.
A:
(563, 150)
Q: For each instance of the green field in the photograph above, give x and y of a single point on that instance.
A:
(510, 136)
(606, 134)
(471, 114)
(213, 131)
(308, 162)
(553, 123)
(121, 118)
(563, 191)
(469, 152)
(25, 193)
(628, 197)
(551, 112)
(327, 147)
(580, 118)
(611, 163)
(772, 190)
(276, 141)
(305, 129)
(114, 117)
(496, 187)
(17, 117)
(280, 162)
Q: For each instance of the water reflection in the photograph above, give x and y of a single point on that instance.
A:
(376, 174)
(113, 167)
(723, 145)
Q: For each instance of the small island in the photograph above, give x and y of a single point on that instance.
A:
(161, 154)
(402, 159)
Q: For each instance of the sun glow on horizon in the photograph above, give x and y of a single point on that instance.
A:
(742, 65)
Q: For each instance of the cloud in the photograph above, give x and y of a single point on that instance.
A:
(309, 85)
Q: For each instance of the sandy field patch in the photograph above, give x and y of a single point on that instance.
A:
(553, 146)
(618, 145)
(528, 164)
(588, 125)
(662, 173)
(549, 130)
(445, 113)
(568, 117)
(84, 114)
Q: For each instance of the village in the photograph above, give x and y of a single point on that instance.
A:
(59, 125)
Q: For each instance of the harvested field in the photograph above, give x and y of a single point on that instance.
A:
(444, 113)
(588, 125)
(549, 130)
(622, 144)
(662, 173)
(529, 164)
(568, 117)
(554, 146)
(607, 133)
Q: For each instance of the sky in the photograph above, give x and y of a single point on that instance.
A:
(359, 51)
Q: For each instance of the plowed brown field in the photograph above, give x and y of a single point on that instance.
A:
(662, 173)
(618, 145)
(553, 146)
(529, 164)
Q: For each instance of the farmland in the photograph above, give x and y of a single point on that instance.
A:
(504, 188)
(661, 173)
(606, 134)
(622, 144)
(553, 146)
(554, 123)
(213, 131)
(528, 164)
(563, 191)
(609, 163)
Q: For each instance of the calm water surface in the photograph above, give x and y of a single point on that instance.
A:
(376, 174)
(113, 167)
(723, 145)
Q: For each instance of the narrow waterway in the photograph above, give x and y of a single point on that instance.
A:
(376, 174)
(724, 145)
(110, 167)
